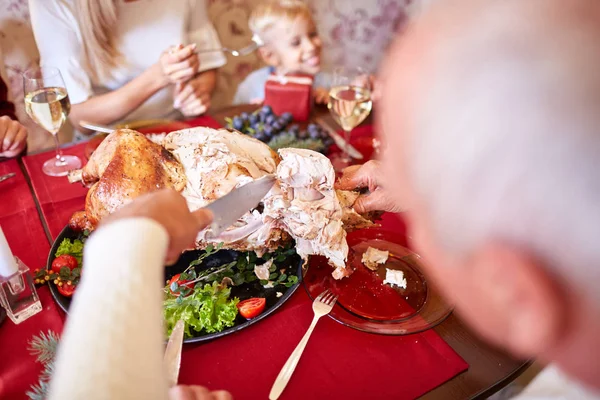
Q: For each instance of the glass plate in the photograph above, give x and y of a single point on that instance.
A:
(365, 303)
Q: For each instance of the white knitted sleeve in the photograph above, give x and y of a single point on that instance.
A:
(112, 345)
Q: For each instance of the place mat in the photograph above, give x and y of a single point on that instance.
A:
(338, 363)
(25, 235)
(19, 218)
(58, 198)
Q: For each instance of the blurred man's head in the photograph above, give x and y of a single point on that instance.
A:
(491, 110)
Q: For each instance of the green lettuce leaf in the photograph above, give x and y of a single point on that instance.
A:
(73, 248)
(207, 310)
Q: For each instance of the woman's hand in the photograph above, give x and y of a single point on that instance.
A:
(179, 63)
(168, 208)
(13, 137)
(182, 392)
(367, 176)
(193, 97)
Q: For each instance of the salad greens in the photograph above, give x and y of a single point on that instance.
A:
(207, 310)
(202, 299)
(73, 248)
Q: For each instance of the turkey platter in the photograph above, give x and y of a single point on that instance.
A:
(204, 164)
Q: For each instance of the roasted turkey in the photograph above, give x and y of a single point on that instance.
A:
(205, 164)
(124, 166)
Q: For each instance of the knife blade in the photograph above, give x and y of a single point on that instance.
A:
(238, 202)
(96, 127)
(339, 140)
(173, 353)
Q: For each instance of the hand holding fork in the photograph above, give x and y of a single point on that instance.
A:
(322, 305)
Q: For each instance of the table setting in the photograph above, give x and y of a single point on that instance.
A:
(383, 330)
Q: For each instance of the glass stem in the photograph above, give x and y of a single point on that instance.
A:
(59, 154)
(346, 156)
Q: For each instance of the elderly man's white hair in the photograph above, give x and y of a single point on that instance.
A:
(506, 135)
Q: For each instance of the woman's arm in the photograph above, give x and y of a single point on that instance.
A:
(57, 36)
(175, 65)
(113, 343)
(113, 106)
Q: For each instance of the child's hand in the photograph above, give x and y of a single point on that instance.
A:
(13, 137)
(321, 95)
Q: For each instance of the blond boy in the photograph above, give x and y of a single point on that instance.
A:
(291, 45)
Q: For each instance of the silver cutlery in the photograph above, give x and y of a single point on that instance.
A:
(173, 353)
(339, 140)
(96, 127)
(244, 51)
(7, 176)
(322, 305)
(229, 208)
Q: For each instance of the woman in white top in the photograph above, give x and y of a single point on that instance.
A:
(126, 59)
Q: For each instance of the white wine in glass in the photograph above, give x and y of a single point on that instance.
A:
(47, 104)
(350, 104)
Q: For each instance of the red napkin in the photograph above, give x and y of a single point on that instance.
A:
(58, 198)
(338, 363)
(23, 229)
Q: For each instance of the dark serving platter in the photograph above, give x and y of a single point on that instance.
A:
(293, 264)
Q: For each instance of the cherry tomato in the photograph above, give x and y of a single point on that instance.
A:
(66, 289)
(252, 307)
(65, 260)
(184, 282)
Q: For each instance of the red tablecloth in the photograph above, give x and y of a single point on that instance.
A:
(23, 229)
(339, 362)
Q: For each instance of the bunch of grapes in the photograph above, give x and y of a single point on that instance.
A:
(278, 131)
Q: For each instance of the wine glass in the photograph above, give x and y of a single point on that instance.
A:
(47, 104)
(350, 104)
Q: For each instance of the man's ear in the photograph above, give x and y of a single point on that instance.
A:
(269, 56)
(520, 305)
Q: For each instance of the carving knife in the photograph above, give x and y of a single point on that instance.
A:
(229, 208)
(173, 353)
(339, 140)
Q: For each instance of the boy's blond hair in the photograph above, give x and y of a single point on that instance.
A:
(267, 14)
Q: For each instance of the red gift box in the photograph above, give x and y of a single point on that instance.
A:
(290, 94)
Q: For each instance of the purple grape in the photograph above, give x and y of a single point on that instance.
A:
(269, 130)
(270, 119)
(313, 127)
(238, 123)
(294, 128)
(261, 136)
(287, 116)
(277, 126)
(253, 118)
(314, 134)
(267, 110)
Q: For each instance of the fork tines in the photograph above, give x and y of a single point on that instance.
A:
(327, 297)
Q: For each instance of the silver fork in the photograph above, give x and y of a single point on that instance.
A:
(244, 51)
(321, 306)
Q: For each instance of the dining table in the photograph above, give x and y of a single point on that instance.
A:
(447, 362)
